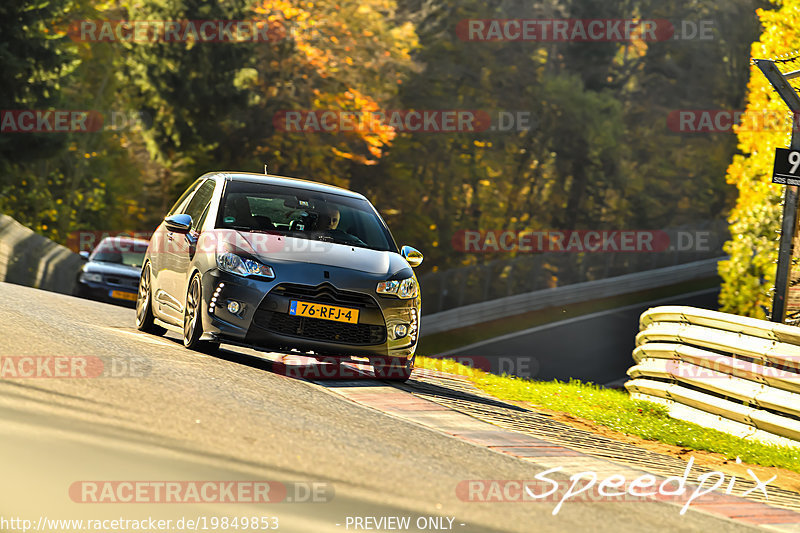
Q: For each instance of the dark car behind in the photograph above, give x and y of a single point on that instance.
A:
(111, 273)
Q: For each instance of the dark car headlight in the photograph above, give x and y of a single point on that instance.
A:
(243, 266)
(405, 288)
(91, 277)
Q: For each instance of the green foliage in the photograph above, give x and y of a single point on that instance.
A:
(36, 60)
(58, 182)
(598, 154)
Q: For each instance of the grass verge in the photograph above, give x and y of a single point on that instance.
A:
(616, 410)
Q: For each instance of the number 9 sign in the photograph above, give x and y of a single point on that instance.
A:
(786, 170)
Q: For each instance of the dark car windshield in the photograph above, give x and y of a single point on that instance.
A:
(120, 253)
(304, 214)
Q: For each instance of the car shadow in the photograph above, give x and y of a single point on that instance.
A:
(297, 366)
(435, 390)
(349, 375)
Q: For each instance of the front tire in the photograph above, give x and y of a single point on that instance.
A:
(193, 320)
(145, 321)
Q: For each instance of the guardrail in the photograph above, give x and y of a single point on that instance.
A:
(736, 374)
(27, 258)
(524, 272)
(478, 313)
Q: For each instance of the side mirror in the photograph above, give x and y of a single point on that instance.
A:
(412, 255)
(178, 223)
(84, 255)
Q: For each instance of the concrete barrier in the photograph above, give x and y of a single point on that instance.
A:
(27, 258)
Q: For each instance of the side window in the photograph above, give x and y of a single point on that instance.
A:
(176, 207)
(199, 224)
(199, 202)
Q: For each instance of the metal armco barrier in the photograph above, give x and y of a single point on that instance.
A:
(470, 315)
(736, 374)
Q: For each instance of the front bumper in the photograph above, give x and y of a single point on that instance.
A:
(264, 322)
(103, 293)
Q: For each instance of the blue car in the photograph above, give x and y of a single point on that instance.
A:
(111, 272)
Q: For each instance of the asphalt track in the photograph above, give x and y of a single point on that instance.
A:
(172, 415)
(595, 347)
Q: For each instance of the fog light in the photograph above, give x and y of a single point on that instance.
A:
(400, 331)
(234, 307)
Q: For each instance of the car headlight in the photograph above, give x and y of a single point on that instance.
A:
(406, 288)
(91, 277)
(230, 262)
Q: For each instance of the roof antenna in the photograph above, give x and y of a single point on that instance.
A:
(265, 170)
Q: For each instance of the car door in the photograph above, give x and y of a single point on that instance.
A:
(180, 250)
(158, 257)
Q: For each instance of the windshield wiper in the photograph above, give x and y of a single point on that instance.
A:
(257, 230)
(357, 244)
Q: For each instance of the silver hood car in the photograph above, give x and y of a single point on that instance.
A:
(282, 264)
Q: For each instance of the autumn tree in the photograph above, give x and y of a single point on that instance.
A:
(56, 182)
(749, 275)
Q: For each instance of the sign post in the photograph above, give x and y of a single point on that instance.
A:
(785, 172)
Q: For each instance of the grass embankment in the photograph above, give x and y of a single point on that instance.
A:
(616, 410)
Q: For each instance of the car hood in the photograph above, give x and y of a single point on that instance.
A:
(111, 268)
(268, 247)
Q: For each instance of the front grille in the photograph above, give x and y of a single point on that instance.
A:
(128, 283)
(320, 330)
(325, 294)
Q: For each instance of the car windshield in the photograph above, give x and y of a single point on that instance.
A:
(120, 253)
(304, 214)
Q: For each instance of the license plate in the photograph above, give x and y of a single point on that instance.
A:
(325, 312)
(122, 295)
